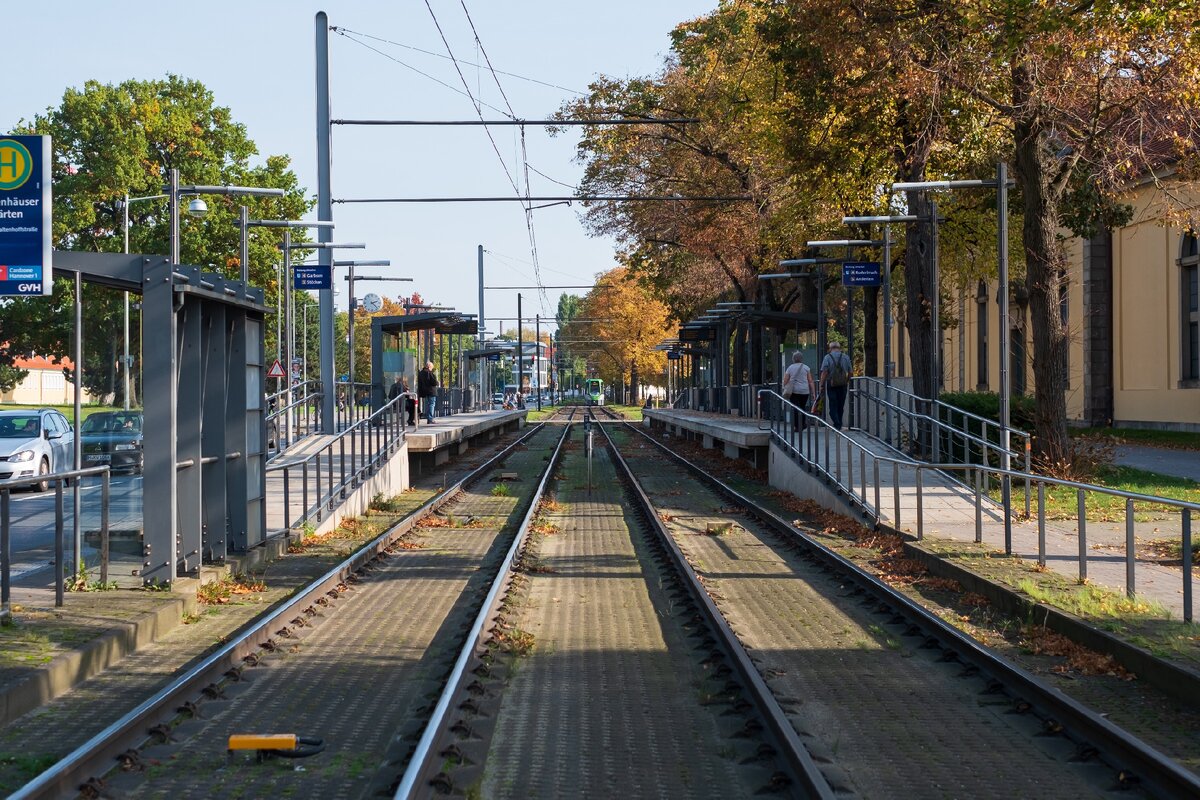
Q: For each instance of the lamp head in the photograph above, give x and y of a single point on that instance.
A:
(197, 207)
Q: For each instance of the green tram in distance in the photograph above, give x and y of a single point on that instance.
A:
(593, 388)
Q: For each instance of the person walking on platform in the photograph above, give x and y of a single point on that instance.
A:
(835, 382)
(427, 384)
(798, 388)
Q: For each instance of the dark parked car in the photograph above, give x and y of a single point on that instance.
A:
(113, 438)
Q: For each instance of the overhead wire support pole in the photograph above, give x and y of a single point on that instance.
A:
(325, 212)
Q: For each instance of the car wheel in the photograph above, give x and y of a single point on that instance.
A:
(43, 469)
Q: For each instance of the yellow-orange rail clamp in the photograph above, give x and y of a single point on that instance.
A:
(270, 745)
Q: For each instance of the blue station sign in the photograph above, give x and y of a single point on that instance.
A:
(312, 277)
(493, 357)
(861, 273)
(674, 355)
(25, 214)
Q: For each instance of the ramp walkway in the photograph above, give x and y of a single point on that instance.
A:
(941, 500)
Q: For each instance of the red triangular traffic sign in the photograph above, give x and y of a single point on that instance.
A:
(276, 370)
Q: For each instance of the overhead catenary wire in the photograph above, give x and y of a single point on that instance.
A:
(344, 31)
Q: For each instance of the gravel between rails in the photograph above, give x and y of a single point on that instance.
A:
(880, 711)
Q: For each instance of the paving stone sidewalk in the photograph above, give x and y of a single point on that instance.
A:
(1179, 463)
(949, 513)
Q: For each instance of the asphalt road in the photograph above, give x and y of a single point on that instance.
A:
(33, 522)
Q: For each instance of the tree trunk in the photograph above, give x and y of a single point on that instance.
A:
(633, 383)
(919, 289)
(870, 331)
(1045, 262)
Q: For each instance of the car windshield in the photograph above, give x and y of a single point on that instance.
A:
(113, 423)
(20, 426)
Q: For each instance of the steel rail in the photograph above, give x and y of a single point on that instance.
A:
(794, 754)
(424, 764)
(1131, 758)
(95, 757)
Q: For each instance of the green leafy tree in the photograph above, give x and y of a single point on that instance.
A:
(112, 140)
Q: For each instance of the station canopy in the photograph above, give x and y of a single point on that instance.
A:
(444, 322)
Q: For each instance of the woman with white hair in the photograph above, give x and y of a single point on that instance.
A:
(798, 388)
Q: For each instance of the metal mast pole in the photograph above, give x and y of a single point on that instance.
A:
(125, 361)
(325, 212)
(76, 497)
(520, 350)
(244, 255)
(350, 357)
(286, 288)
(1005, 378)
(482, 320)
(887, 324)
(935, 303)
(537, 354)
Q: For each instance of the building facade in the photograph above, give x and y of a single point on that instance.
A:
(1132, 309)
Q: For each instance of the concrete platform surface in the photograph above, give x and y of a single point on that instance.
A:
(741, 431)
(446, 431)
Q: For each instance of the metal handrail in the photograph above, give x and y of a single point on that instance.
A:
(984, 422)
(301, 410)
(58, 479)
(376, 436)
(828, 463)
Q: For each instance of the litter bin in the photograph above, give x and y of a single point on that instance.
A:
(467, 400)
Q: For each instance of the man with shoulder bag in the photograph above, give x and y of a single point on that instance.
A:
(798, 388)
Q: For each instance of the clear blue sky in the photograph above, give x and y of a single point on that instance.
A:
(257, 58)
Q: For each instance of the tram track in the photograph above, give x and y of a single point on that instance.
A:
(184, 723)
(728, 538)
(598, 703)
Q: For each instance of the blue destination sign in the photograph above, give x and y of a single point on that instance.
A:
(493, 357)
(674, 355)
(861, 273)
(312, 277)
(25, 214)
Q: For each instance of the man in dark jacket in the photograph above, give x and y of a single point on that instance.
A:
(427, 384)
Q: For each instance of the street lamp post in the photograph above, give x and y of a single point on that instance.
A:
(1001, 184)
(354, 305)
(287, 247)
(886, 221)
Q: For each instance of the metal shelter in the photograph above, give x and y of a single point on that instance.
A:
(204, 433)
(733, 349)
(444, 323)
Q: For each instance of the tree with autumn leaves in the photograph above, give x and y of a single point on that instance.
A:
(807, 107)
(620, 323)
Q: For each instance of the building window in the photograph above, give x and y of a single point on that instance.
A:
(1189, 322)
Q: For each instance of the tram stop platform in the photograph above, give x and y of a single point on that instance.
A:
(431, 445)
(739, 437)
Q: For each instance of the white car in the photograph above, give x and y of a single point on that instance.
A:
(35, 442)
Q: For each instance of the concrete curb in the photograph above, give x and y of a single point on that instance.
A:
(1174, 679)
(1178, 681)
(71, 668)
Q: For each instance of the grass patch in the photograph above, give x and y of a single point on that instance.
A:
(533, 415)
(1175, 440)
(1093, 601)
(224, 591)
(633, 413)
(1062, 502)
(501, 490)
